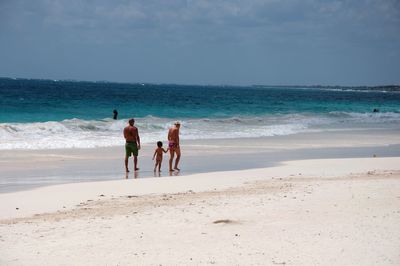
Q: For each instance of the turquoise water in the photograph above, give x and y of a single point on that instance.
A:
(44, 100)
(49, 111)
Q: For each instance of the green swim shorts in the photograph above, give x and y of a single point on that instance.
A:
(131, 148)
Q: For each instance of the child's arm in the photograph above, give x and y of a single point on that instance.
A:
(165, 151)
(154, 155)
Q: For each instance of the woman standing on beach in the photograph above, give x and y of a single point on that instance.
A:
(173, 145)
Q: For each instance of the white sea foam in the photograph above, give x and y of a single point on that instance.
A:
(77, 133)
(352, 117)
(347, 89)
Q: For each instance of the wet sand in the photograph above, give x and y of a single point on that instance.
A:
(26, 169)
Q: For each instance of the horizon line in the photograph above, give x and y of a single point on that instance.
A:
(204, 85)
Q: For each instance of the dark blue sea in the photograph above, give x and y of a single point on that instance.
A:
(46, 114)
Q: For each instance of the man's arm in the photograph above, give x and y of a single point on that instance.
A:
(137, 138)
(125, 133)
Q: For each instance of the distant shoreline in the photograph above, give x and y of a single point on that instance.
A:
(390, 87)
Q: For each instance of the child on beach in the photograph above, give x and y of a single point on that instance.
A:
(159, 153)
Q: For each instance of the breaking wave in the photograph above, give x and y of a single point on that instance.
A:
(77, 133)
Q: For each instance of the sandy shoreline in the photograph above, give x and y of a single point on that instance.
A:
(68, 196)
(324, 212)
(313, 199)
(26, 169)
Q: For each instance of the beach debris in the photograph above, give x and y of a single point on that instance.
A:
(17, 208)
(101, 195)
(132, 196)
(223, 221)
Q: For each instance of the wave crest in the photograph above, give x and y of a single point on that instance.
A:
(77, 133)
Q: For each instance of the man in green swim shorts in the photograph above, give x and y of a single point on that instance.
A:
(132, 145)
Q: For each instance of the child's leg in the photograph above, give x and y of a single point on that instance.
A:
(155, 166)
(159, 165)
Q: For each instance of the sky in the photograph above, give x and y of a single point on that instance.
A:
(216, 42)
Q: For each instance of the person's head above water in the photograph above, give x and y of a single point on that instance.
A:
(159, 144)
(131, 121)
(177, 124)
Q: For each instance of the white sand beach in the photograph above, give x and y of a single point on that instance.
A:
(260, 133)
(331, 211)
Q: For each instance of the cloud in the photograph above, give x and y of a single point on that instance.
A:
(251, 32)
(182, 16)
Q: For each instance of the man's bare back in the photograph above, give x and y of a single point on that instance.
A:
(130, 133)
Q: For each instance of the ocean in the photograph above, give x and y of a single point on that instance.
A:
(51, 114)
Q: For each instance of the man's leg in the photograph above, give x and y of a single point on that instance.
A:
(135, 162)
(171, 158)
(126, 163)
